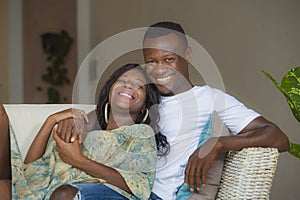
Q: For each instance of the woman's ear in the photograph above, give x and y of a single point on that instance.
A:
(145, 111)
(143, 108)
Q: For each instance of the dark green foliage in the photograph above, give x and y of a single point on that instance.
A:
(295, 149)
(56, 47)
(290, 88)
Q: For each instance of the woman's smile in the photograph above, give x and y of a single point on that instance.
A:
(126, 95)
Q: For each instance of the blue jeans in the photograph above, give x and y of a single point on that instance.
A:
(96, 191)
(153, 196)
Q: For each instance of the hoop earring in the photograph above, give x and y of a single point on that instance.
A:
(105, 113)
(146, 116)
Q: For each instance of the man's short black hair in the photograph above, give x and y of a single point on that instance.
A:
(163, 28)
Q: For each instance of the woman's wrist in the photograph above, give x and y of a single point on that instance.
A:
(80, 161)
(52, 120)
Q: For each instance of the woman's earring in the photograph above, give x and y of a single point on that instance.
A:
(146, 116)
(105, 113)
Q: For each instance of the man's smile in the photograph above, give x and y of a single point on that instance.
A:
(163, 80)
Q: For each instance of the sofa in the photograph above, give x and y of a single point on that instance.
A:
(247, 174)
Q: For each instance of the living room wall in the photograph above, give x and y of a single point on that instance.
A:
(39, 17)
(4, 61)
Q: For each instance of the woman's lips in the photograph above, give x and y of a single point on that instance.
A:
(126, 95)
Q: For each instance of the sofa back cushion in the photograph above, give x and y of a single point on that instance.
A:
(27, 119)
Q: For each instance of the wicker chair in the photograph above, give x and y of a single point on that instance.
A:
(248, 174)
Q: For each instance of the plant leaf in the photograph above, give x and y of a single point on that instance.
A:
(281, 89)
(295, 150)
(291, 84)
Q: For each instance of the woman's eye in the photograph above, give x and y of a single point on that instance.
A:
(121, 81)
(150, 62)
(138, 86)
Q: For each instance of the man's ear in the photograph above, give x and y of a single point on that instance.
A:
(188, 54)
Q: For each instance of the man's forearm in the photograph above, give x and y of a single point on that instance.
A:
(266, 135)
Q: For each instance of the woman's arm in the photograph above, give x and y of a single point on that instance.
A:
(70, 153)
(38, 146)
(104, 172)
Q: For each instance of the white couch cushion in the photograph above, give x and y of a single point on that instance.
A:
(26, 119)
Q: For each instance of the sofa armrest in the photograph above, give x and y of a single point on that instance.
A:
(248, 174)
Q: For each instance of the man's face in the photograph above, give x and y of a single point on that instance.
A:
(166, 61)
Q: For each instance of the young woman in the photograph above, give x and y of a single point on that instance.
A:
(117, 162)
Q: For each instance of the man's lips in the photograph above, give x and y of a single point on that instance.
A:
(163, 80)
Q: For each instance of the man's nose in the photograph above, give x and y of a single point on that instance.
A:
(160, 69)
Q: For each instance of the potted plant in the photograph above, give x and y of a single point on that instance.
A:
(290, 88)
(56, 47)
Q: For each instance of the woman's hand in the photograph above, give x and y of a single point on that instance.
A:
(38, 146)
(69, 153)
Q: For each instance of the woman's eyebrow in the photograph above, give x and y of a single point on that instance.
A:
(123, 76)
(137, 79)
(142, 81)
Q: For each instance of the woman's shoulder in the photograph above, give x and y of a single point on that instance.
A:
(141, 130)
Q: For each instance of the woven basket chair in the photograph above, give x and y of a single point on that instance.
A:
(248, 174)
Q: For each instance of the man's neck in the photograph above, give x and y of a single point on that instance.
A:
(184, 87)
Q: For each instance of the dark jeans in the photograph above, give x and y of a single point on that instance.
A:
(95, 191)
(153, 196)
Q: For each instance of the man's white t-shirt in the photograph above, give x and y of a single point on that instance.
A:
(182, 119)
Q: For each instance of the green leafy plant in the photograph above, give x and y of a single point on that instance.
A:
(290, 88)
(56, 47)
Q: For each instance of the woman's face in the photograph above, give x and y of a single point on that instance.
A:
(128, 93)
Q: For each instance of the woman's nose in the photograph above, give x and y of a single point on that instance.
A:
(128, 85)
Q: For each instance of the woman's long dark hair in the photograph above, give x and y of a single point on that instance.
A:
(151, 103)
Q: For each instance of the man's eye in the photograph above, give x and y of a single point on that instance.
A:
(169, 60)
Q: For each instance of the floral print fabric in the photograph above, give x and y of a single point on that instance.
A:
(131, 150)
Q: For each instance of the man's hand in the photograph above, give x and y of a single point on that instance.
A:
(73, 128)
(199, 163)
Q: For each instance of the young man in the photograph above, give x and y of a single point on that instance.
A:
(184, 111)
(186, 108)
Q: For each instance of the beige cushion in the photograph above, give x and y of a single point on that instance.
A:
(214, 174)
